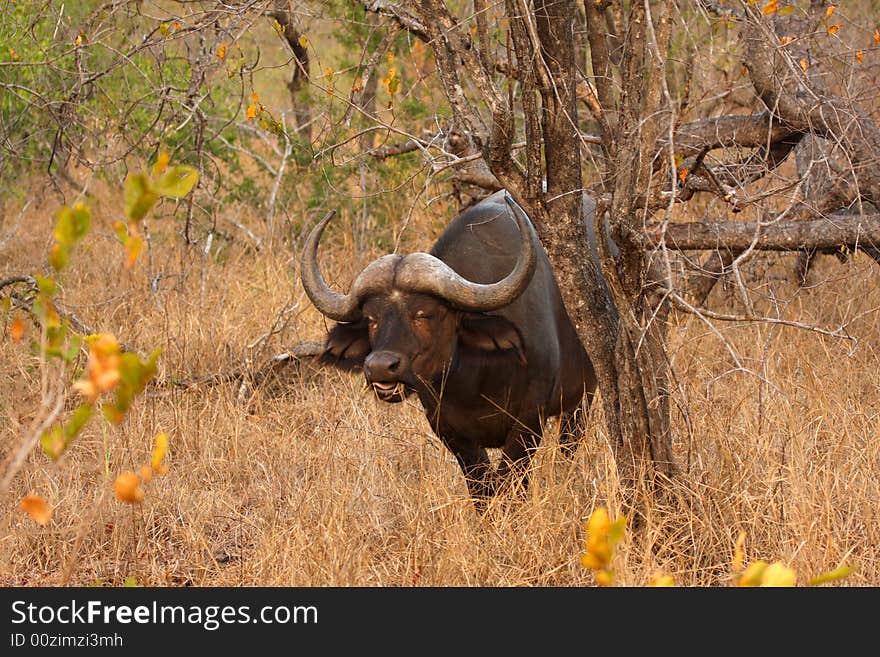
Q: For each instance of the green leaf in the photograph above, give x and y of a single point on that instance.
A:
(73, 348)
(131, 582)
(616, 531)
(81, 218)
(176, 181)
(838, 573)
(71, 225)
(63, 232)
(46, 285)
(77, 421)
(53, 443)
(45, 313)
(151, 366)
(112, 414)
(124, 397)
(139, 197)
(130, 369)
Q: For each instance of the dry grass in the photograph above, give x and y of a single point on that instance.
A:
(307, 480)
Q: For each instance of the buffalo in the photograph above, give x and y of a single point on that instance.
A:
(476, 329)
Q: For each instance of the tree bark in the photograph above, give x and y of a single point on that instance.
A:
(302, 112)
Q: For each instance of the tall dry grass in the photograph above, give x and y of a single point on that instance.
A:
(307, 480)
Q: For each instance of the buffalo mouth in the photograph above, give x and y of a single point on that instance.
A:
(390, 391)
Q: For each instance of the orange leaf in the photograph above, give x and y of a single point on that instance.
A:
(161, 162)
(830, 10)
(221, 51)
(102, 373)
(251, 112)
(37, 508)
(146, 473)
(683, 174)
(255, 98)
(803, 65)
(17, 329)
(771, 7)
(877, 36)
(859, 56)
(786, 40)
(832, 29)
(127, 488)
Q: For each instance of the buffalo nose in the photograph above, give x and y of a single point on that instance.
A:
(382, 366)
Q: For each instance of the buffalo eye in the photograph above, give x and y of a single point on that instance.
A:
(371, 321)
(424, 314)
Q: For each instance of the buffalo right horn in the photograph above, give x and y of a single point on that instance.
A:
(341, 307)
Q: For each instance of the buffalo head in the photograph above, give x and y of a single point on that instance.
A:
(405, 316)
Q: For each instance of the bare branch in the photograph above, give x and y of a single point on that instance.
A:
(823, 233)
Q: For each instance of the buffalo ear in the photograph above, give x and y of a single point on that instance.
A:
(490, 333)
(347, 346)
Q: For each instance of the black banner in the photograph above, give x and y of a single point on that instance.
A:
(407, 619)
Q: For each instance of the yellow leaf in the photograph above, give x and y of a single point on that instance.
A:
(132, 251)
(79, 40)
(255, 98)
(221, 51)
(787, 10)
(830, 10)
(753, 574)
(251, 112)
(146, 473)
(127, 488)
(160, 450)
(589, 560)
(17, 329)
(13, 54)
(304, 41)
(803, 65)
(599, 522)
(37, 508)
(777, 574)
(859, 56)
(786, 40)
(661, 580)
(605, 578)
(771, 7)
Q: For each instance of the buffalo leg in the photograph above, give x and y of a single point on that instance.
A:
(570, 432)
(474, 464)
(517, 454)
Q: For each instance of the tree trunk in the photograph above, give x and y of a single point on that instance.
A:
(631, 378)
